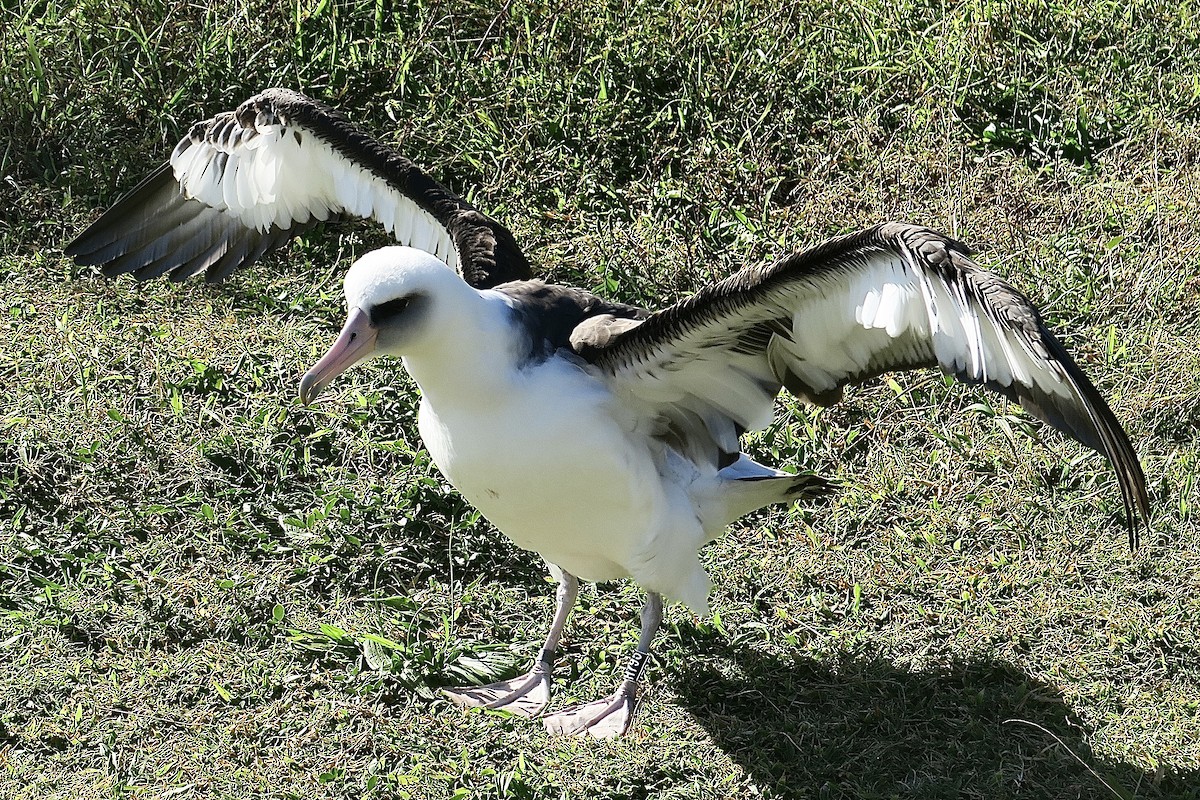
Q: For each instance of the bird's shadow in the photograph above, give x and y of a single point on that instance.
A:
(865, 727)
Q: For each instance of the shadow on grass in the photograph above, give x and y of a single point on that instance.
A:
(864, 727)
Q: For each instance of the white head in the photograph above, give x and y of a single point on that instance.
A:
(397, 298)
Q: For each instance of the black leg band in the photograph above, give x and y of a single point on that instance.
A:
(637, 663)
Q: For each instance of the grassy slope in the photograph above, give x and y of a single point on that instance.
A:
(191, 564)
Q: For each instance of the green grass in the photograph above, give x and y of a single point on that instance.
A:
(207, 590)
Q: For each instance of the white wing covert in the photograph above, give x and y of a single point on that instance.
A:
(246, 181)
(892, 297)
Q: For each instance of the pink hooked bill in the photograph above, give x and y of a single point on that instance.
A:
(355, 343)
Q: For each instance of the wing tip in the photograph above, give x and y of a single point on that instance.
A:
(1136, 498)
(74, 248)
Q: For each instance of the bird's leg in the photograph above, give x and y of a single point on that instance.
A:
(612, 715)
(528, 694)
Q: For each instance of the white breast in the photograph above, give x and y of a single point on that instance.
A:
(550, 463)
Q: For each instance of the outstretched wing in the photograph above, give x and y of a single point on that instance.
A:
(888, 298)
(246, 181)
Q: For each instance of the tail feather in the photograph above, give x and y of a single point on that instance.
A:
(790, 488)
(743, 495)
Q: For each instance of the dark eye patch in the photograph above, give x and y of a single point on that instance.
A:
(382, 312)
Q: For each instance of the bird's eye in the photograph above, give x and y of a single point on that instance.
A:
(383, 312)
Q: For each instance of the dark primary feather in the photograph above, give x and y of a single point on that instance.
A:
(741, 333)
(155, 230)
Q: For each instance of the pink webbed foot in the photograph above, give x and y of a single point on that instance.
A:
(607, 718)
(525, 696)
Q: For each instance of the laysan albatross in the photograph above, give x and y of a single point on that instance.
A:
(599, 435)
